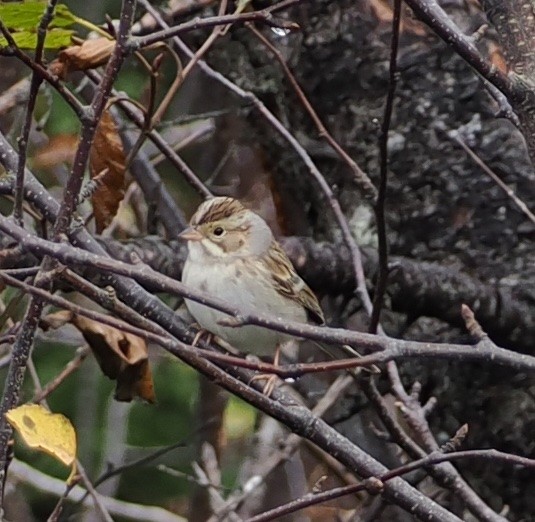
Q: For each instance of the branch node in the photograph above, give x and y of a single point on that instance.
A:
(233, 322)
(473, 327)
(429, 406)
(456, 441)
(373, 485)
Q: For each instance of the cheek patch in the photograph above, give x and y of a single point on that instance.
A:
(233, 242)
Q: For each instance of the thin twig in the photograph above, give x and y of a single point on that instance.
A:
(375, 485)
(415, 412)
(382, 274)
(454, 135)
(430, 12)
(24, 343)
(299, 149)
(22, 473)
(182, 73)
(472, 324)
(79, 467)
(264, 16)
(13, 383)
(389, 349)
(360, 177)
(35, 83)
(70, 368)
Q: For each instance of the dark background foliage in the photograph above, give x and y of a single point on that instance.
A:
(454, 237)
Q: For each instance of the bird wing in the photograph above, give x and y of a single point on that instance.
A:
(289, 284)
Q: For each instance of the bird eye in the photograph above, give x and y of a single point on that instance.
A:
(218, 231)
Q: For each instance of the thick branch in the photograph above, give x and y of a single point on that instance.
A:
(509, 16)
(416, 288)
(390, 348)
(514, 23)
(24, 474)
(297, 418)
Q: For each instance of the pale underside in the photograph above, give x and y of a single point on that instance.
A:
(248, 291)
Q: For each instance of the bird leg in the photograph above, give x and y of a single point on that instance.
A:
(270, 378)
(199, 335)
(215, 339)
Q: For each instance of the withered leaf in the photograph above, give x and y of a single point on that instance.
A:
(56, 320)
(90, 54)
(107, 164)
(121, 356)
(59, 149)
(497, 58)
(384, 12)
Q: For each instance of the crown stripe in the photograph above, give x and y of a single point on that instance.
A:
(215, 209)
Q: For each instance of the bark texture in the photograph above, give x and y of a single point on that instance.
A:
(441, 207)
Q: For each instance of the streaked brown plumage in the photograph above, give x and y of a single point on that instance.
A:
(233, 255)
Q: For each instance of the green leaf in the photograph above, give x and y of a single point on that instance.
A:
(63, 17)
(22, 19)
(55, 39)
(21, 16)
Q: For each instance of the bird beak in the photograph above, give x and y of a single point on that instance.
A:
(190, 234)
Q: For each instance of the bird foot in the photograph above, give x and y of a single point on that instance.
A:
(199, 335)
(271, 382)
(270, 378)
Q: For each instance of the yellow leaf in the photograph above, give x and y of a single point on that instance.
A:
(50, 432)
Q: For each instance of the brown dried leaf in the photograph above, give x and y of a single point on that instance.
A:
(383, 10)
(107, 164)
(121, 356)
(59, 149)
(497, 58)
(55, 320)
(92, 53)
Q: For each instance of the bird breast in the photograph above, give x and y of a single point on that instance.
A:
(250, 289)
